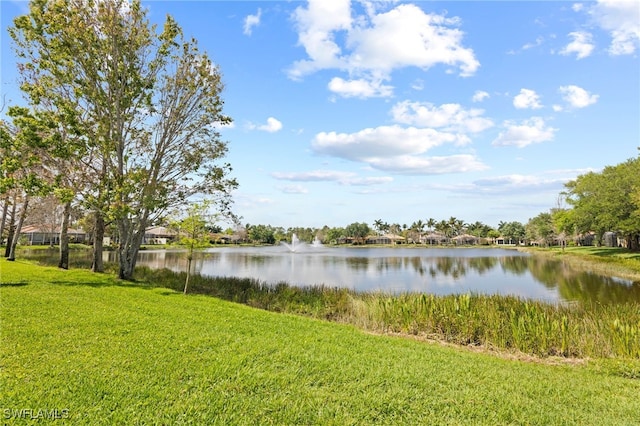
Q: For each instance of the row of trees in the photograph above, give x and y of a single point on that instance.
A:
(121, 118)
(617, 184)
(358, 232)
(592, 205)
(600, 202)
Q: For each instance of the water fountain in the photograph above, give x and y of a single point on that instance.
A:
(297, 245)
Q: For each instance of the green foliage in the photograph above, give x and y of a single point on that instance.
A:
(540, 228)
(334, 234)
(193, 230)
(608, 201)
(112, 352)
(358, 231)
(514, 231)
(262, 234)
(144, 108)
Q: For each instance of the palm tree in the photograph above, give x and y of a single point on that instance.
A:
(431, 222)
(444, 227)
(378, 225)
(419, 228)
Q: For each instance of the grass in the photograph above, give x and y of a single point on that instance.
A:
(604, 260)
(102, 351)
(496, 322)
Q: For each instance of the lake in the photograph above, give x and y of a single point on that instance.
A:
(397, 270)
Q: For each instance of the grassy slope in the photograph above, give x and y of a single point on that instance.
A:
(604, 260)
(117, 353)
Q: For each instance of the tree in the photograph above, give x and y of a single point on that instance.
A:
(332, 235)
(263, 234)
(378, 225)
(541, 228)
(147, 104)
(431, 223)
(21, 171)
(193, 231)
(608, 201)
(418, 228)
(513, 231)
(358, 231)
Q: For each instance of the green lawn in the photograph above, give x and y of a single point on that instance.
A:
(101, 351)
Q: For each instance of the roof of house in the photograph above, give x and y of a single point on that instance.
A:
(39, 229)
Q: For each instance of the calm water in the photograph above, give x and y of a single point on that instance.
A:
(397, 270)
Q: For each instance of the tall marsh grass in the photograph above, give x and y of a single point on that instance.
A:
(498, 322)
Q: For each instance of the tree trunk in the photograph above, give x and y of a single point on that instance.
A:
(186, 281)
(18, 228)
(131, 236)
(633, 242)
(97, 264)
(12, 227)
(64, 237)
(3, 221)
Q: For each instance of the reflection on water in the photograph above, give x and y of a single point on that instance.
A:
(397, 270)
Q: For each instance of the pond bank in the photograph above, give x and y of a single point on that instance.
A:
(602, 260)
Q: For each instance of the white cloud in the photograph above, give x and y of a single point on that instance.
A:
(397, 149)
(538, 42)
(294, 189)
(527, 99)
(273, 125)
(383, 141)
(375, 44)
(314, 176)
(418, 85)
(414, 165)
(517, 183)
(581, 45)
(451, 117)
(480, 95)
(620, 18)
(359, 88)
(577, 7)
(577, 97)
(343, 178)
(316, 26)
(526, 133)
(406, 36)
(369, 181)
(251, 21)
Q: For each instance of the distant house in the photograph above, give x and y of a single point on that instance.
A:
(610, 239)
(219, 238)
(385, 239)
(505, 241)
(41, 235)
(159, 235)
(465, 239)
(586, 239)
(434, 238)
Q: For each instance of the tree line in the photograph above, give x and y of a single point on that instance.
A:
(121, 118)
(590, 206)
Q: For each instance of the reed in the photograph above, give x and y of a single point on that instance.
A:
(492, 321)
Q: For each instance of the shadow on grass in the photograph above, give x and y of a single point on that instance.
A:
(608, 252)
(14, 284)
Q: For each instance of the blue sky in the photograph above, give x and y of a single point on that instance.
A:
(350, 111)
